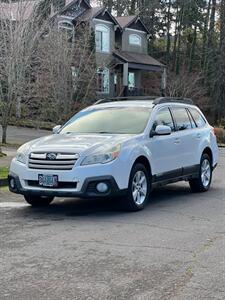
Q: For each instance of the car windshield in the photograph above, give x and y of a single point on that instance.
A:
(112, 120)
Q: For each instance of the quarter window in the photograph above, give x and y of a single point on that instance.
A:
(163, 117)
(103, 80)
(102, 38)
(199, 120)
(135, 39)
(182, 119)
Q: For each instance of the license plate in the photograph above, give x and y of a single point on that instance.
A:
(48, 180)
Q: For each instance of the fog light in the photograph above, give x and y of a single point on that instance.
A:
(102, 187)
(12, 183)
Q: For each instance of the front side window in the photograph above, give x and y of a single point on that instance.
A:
(103, 80)
(113, 120)
(135, 39)
(182, 119)
(102, 38)
(163, 117)
(199, 120)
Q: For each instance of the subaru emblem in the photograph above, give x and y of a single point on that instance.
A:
(51, 156)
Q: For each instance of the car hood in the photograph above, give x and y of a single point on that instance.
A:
(76, 143)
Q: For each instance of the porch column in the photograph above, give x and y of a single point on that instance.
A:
(125, 78)
(163, 82)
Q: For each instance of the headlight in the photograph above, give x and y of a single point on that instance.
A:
(21, 157)
(102, 158)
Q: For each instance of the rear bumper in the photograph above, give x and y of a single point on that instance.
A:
(88, 189)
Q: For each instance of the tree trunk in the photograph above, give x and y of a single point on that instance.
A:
(204, 42)
(168, 34)
(175, 41)
(4, 133)
(193, 47)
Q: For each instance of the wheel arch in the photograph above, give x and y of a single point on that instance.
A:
(144, 161)
(208, 151)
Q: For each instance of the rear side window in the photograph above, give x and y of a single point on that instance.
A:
(182, 119)
(199, 120)
(163, 117)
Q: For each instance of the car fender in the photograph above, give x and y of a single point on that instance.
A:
(131, 154)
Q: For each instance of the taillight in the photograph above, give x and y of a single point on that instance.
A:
(213, 130)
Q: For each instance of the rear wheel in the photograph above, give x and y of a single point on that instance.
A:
(38, 201)
(139, 188)
(203, 182)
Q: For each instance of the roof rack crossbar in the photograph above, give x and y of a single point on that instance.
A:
(156, 100)
(129, 98)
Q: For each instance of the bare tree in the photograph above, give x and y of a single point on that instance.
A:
(64, 72)
(19, 34)
(46, 68)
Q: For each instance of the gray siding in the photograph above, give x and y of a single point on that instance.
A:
(103, 58)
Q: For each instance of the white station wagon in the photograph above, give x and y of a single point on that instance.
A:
(121, 147)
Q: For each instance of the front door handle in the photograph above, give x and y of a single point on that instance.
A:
(177, 141)
(198, 136)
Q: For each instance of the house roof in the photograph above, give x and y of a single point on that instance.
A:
(94, 12)
(126, 21)
(91, 13)
(17, 11)
(138, 59)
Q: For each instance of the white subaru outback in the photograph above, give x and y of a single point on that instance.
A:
(119, 147)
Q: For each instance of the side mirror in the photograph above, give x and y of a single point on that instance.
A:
(162, 130)
(56, 129)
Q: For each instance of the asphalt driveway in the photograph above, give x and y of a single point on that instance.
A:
(87, 249)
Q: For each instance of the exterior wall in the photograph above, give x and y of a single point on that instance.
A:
(132, 48)
(104, 59)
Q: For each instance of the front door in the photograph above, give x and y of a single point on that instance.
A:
(165, 150)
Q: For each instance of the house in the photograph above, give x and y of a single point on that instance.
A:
(121, 43)
(121, 48)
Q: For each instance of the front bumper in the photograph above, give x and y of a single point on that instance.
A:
(88, 189)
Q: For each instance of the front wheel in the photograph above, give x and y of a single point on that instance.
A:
(139, 188)
(38, 201)
(203, 182)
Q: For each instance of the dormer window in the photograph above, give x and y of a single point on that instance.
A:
(67, 28)
(102, 38)
(135, 39)
(66, 25)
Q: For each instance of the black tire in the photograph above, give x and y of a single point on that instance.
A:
(129, 203)
(38, 201)
(198, 185)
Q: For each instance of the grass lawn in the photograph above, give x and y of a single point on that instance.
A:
(4, 171)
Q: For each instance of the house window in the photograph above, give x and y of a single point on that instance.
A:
(103, 80)
(66, 25)
(102, 38)
(135, 39)
(131, 80)
(67, 28)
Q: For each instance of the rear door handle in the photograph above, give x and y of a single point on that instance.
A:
(198, 136)
(177, 141)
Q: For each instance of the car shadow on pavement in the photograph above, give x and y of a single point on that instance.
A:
(169, 195)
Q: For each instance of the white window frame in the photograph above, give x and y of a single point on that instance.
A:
(105, 34)
(71, 28)
(137, 37)
(106, 80)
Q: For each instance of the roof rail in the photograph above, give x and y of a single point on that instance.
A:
(129, 98)
(162, 100)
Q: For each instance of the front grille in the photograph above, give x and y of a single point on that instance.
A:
(61, 185)
(52, 161)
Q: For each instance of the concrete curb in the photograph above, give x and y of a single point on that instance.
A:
(3, 182)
